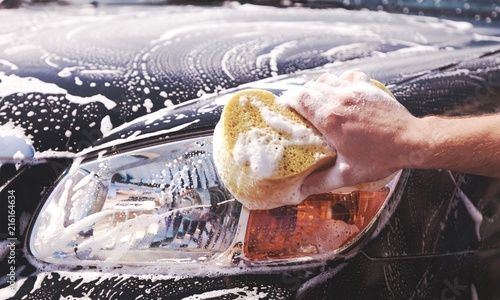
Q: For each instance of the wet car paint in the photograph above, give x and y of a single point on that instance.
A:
(430, 247)
(71, 75)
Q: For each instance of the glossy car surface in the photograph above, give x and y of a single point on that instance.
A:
(89, 83)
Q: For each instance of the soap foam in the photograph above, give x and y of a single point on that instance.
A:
(332, 235)
(16, 144)
(262, 149)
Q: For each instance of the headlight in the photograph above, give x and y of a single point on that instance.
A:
(165, 204)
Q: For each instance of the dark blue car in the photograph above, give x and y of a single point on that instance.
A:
(107, 183)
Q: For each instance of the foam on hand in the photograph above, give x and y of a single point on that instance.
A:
(338, 95)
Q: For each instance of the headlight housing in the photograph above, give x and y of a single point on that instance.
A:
(166, 204)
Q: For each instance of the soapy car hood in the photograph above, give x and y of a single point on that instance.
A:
(70, 75)
(78, 79)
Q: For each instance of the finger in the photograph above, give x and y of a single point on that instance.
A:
(355, 75)
(323, 92)
(326, 180)
(307, 102)
(342, 95)
(331, 80)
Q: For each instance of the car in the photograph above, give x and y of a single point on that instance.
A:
(109, 190)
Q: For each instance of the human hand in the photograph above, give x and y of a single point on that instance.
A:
(369, 129)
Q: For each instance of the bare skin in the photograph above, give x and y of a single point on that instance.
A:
(375, 136)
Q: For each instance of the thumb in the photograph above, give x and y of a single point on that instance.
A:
(326, 180)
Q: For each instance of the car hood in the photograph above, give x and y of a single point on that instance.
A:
(71, 75)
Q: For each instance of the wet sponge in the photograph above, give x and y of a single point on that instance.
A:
(263, 150)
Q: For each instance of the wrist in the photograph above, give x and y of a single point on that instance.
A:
(422, 137)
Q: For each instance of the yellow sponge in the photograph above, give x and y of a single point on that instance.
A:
(263, 150)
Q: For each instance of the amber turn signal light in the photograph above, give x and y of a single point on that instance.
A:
(321, 224)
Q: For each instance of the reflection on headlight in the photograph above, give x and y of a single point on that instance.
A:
(166, 204)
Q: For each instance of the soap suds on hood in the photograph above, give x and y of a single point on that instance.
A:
(14, 143)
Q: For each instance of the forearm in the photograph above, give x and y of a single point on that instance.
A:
(470, 145)
(375, 136)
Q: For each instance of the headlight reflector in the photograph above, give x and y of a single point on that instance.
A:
(144, 205)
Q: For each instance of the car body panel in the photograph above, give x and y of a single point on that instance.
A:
(111, 65)
(95, 82)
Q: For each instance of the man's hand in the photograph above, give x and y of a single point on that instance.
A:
(375, 136)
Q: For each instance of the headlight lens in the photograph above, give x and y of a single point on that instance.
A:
(166, 203)
(156, 204)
